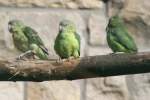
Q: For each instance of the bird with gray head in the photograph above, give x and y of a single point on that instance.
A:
(27, 40)
(118, 37)
(67, 42)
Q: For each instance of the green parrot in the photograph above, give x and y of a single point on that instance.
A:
(27, 40)
(67, 42)
(118, 37)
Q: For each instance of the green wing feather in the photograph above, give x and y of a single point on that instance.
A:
(34, 38)
(123, 39)
(114, 45)
(32, 35)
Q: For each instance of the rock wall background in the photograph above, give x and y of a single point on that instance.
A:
(91, 17)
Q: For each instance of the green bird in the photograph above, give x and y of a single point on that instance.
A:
(118, 37)
(27, 40)
(67, 43)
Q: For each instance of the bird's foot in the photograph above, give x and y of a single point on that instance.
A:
(65, 60)
(58, 61)
(26, 55)
(70, 58)
(21, 57)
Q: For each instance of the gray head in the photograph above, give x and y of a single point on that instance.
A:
(115, 21)
(14, 25)
(67, 25)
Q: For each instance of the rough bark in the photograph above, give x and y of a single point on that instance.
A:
(86, 67)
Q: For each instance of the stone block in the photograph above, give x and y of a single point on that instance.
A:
(54, 90)
(11, 91)
(73, 4)
(97, 28)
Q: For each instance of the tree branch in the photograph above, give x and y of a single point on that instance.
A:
(86, 67)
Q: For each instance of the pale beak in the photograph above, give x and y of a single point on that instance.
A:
(60, 27)
(9, 28)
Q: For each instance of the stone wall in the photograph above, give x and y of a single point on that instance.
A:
(90, 17)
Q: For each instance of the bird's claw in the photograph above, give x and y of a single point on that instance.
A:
(69, 59)
(64, 60)
(59, 60)
(20, 57)
(26, 55)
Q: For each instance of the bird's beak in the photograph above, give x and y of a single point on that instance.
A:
(60, 27)
(106, 29)
(9, 28)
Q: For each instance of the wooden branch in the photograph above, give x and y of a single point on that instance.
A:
(86, 67)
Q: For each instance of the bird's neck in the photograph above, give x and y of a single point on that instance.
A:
(66, 33)
(18, 32)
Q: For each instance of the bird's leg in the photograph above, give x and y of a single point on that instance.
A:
(64, 60)
(71, 58)
(68, 59)
(27, 54)
(59, 60)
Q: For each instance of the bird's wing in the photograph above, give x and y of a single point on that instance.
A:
(33, 37)
(122, 37)
(79, 41)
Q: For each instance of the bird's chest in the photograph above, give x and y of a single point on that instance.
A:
(67, 44)
(20, 42)
(69, 40)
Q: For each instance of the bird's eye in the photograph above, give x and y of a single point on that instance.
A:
(10, 23)
(62, 24)
(65, 24)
